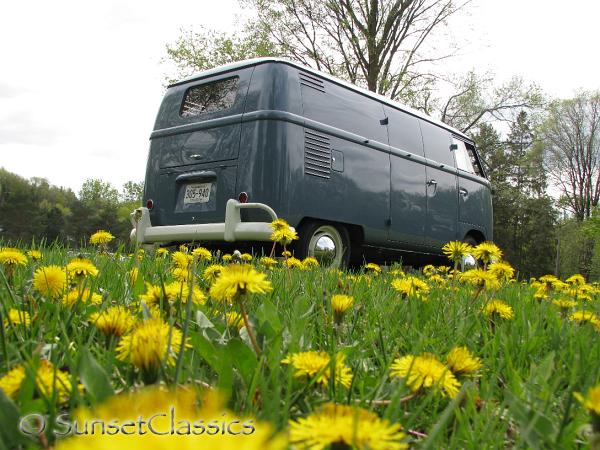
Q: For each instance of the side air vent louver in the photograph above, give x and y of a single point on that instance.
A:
(317, 154)
(312, 81)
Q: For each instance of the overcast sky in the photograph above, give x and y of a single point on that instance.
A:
(81, 81)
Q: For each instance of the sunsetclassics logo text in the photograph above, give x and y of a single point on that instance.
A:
(160, 423)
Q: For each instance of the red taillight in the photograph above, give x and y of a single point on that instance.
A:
(150, 204)
(243, 197)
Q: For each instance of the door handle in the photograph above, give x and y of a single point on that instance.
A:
(463, 192)
(432, 183)
(196, 156)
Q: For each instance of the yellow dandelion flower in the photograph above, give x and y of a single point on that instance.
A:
(153, 294)
(341, 303)
(292, 263)
(576, 279)
(282, 232)
(181, 274)
(114, 321)
(318, 365)
(437, 279)
(461, 360)
(429, 270)
(583, 317)
(279, 224)
(101, 237)
(212, 272)
(480, 278)
(133, 274)
(162, 252)
(17, 317)
(268, 262)
(202, 253)
(343, 426)
(11, 382)
(226, 257)
(222, 429)
(184, 248)
(49, 280)
(36, 255)
(498, 308)
(12, 257)
(239, 280)
(150, 343)
(487, 252)
(180, 291)
(286, 254)
(565, 303)
(549, 281)
(246, 257)
(443, 269)
(84, 296)
(48, 381)
(502, 270)
(234, 319)
(81, 268)
(411, 287)
(373, 268)
(397, 273)
(591, 401)
(181, 260)
(309, 262)
(425, 371)
(457, 250)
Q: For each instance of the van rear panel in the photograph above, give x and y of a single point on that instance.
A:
(194, 149)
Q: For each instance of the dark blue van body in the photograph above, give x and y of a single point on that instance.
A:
(318, 151)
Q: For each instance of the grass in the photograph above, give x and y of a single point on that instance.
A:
(522, 397)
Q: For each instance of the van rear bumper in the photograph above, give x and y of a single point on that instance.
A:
(233, 229)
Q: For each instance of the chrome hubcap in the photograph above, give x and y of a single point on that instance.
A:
(326, 246)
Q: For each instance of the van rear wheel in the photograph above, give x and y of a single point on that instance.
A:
(327, 243)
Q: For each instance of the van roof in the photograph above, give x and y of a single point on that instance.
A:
(381, 98)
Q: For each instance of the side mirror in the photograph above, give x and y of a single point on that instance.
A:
(453, 146)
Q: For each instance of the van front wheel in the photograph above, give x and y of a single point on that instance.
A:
(329, 244)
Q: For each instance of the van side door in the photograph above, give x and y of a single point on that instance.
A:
(441, 182)
(408, 196)
(474, 193)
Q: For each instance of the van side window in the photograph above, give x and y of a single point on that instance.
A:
(403, 131)
(210, 97)
(463, 160)
(474, 160)
(437, 143)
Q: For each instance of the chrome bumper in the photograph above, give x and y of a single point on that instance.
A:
(233, 229)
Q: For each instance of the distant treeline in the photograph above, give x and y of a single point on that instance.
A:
(34, 210)
(527, 225)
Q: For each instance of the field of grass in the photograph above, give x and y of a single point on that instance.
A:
(513, 389)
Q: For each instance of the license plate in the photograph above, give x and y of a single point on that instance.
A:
(197, 193)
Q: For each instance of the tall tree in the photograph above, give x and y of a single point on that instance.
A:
(523, 212)
(572, 140)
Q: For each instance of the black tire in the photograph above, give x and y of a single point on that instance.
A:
(311, 232)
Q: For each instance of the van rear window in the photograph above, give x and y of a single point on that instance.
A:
(209, 97)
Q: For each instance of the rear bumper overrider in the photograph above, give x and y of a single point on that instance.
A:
(232, 230)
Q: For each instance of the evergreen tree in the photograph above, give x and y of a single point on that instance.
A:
(523, 213)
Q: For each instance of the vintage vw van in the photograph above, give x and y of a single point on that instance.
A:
(237, 146)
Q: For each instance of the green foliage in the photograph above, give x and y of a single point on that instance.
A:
(195, 51)
(522, 397)
(34, 210)
(524, 216)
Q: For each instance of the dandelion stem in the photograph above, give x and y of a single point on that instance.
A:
(247, 324)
